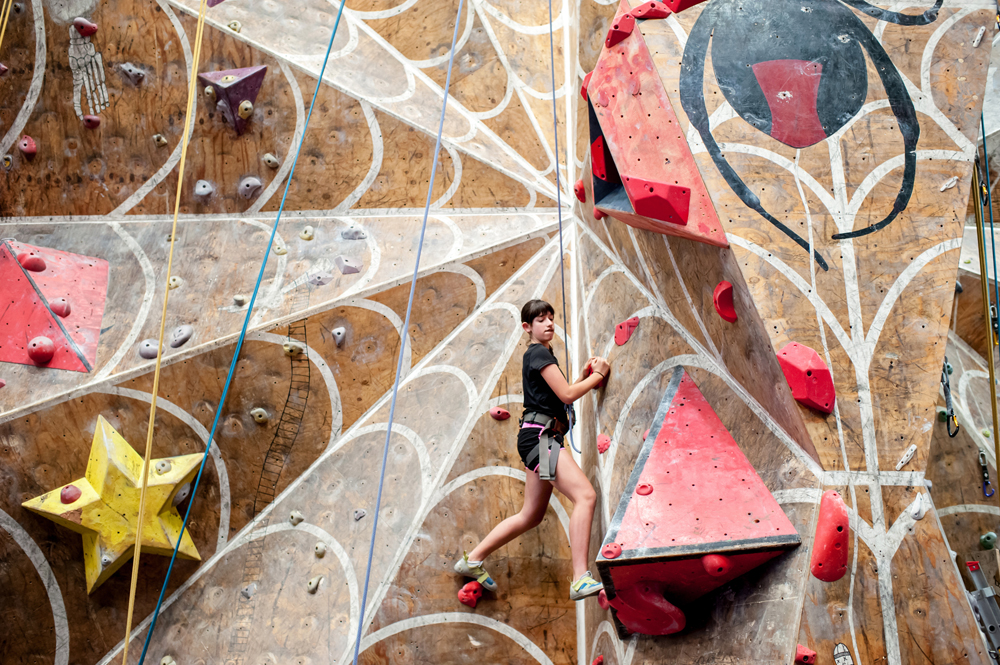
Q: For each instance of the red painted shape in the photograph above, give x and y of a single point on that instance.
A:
(470, 593)
(611, 551)
(722, 297)
(91, 121)
(642, 608)
(804, 654)
(70, 493)
(973, 565)
(28, 147)
(586, 82)
(76, 335)
(602, 600)
(598, 165)
(84, 27)
(499, 414)
(624, 330)
(581, 191)
(61, 307)
(598, 661)
(31, 261)
(656, 200)
(829, 554)
(620, 29)
(808, 377)
(599, 214)
(716, 565)
(791, 88)
(651, 9)
(603, 443)
(41, 350)
(708, 507)
(646, 143)
(681, 5)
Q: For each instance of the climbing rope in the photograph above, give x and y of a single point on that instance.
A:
(192, 87)
(243, 331)
(993, 249)
(562, 271)
(404, 333)
(6, 15)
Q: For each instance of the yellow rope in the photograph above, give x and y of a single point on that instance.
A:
(192, 88)
(7, 4)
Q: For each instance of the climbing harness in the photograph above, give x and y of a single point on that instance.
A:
(949, 407)
(986, 475)
(246, 320)
(406, 326)
(547, 449)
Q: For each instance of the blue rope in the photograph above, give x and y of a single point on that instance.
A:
(405, 329)
(989, 202)
(562, 271)
(239, 342)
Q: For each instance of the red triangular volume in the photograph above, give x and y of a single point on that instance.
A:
(26, 315)
(662, 189)
(693, 516)
(232, 88)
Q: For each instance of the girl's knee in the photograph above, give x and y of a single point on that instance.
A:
(587, 497)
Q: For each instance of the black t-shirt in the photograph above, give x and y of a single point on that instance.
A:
(538, 396)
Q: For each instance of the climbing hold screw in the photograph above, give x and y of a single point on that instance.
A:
(84, 27)
(91, 121)
(147, 349)
(182, 494)
(180, 336)
(249, 187)
(203, 188)
(260, 416)
(358, 514)
(353, 234)
(235, 26)
(313, 584)
(246, 109)
(271, 160)
(174, 282)
(28, 147)
(61, 307)
(988, 540)
(210, 92)
(41, 350)
(160, 140)
(31, 261)
(308, 233)
(292, 348)
(295, 518)
(339, 334)
(162, 466)
(320, 550)
(133, 73)
(70, 494)
(239, 300)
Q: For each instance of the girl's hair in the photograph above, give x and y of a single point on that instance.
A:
(535, 308)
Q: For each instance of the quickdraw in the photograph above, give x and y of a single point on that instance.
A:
(986, 475)
(950, 417)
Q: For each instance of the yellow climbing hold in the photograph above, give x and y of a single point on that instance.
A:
(104, 505)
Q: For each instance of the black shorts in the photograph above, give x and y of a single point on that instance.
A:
(527, 446)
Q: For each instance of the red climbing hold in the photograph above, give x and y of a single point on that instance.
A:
(599, 214)
(602, 600)
(620, 29)
(598, 164)
(580, 191)
(27, 147)
(3, 69)
(681, 5)
(470, 593)
(91, 121)
(808, 377)
(645, 434)
(586, 82)
(587, 371)
(651, 9)
(723, 299)
(657, 200)
(499, 413)
(2, 383)
(624, 330)
(70, 493)
(41, 350)
(642, 608)
(598, 661)
(84, 27)
(644, 489)
(611, 551)
(716, 565)
(603, 443)
(804, 654)
(829, 555)
(61, 307)
(31, 261)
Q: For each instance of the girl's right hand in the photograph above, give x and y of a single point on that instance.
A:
(600, 365)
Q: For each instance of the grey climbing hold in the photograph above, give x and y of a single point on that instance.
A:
(160, 140)
(320, 550)
(308, 233)
(293, 348)
(147, 349)
(339, 334)
(271, 160)
(249, 590)
(249, 187)
(106, 560)
(320, 279)
(260, 415)
(353, 234)
(358, 514)
(182, 493)
(239, 300)
(180, 336)
(162, 466)
(296, 518)
(174, 282)
(246, 109)
(203, 188)
(347, 265)
(313, 584)
(132, 73)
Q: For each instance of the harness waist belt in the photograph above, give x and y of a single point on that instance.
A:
(547, 450)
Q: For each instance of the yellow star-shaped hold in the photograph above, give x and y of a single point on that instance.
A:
(104, 504)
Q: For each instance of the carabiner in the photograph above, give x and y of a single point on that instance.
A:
(986, 475)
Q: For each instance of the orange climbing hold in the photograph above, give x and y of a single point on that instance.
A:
(807, 376)
(829, 555)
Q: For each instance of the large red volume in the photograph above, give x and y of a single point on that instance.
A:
(829, 555)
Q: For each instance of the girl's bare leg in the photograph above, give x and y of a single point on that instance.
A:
(577, 488)
(536, 501)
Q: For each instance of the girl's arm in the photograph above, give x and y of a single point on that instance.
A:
(570, 393)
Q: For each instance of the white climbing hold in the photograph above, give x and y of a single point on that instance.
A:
(260, 415)
(181, 494)
(353, 234)
(249, 187)
(339, 334)
(168, 660)
(919, 509)
(132, 73)
(907, 456)
(358, 514)
(147, 349)
(235, 26)
(320, 279)
(175, 282)
(162, 466)
(203, 188)
(249, 590)
(308, 233)
(979, 36)
(313, 584)
(239, 300)
(347, 265)
(271, 160)
(106, 560)
(180, 336)
(293, 348)
(280, 250)
(320, 550)
(295, 518)
(949, 183)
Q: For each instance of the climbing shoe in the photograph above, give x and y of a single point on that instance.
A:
(584, 587)
(476, 571)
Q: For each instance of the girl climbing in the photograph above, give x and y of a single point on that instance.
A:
(545, 421)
